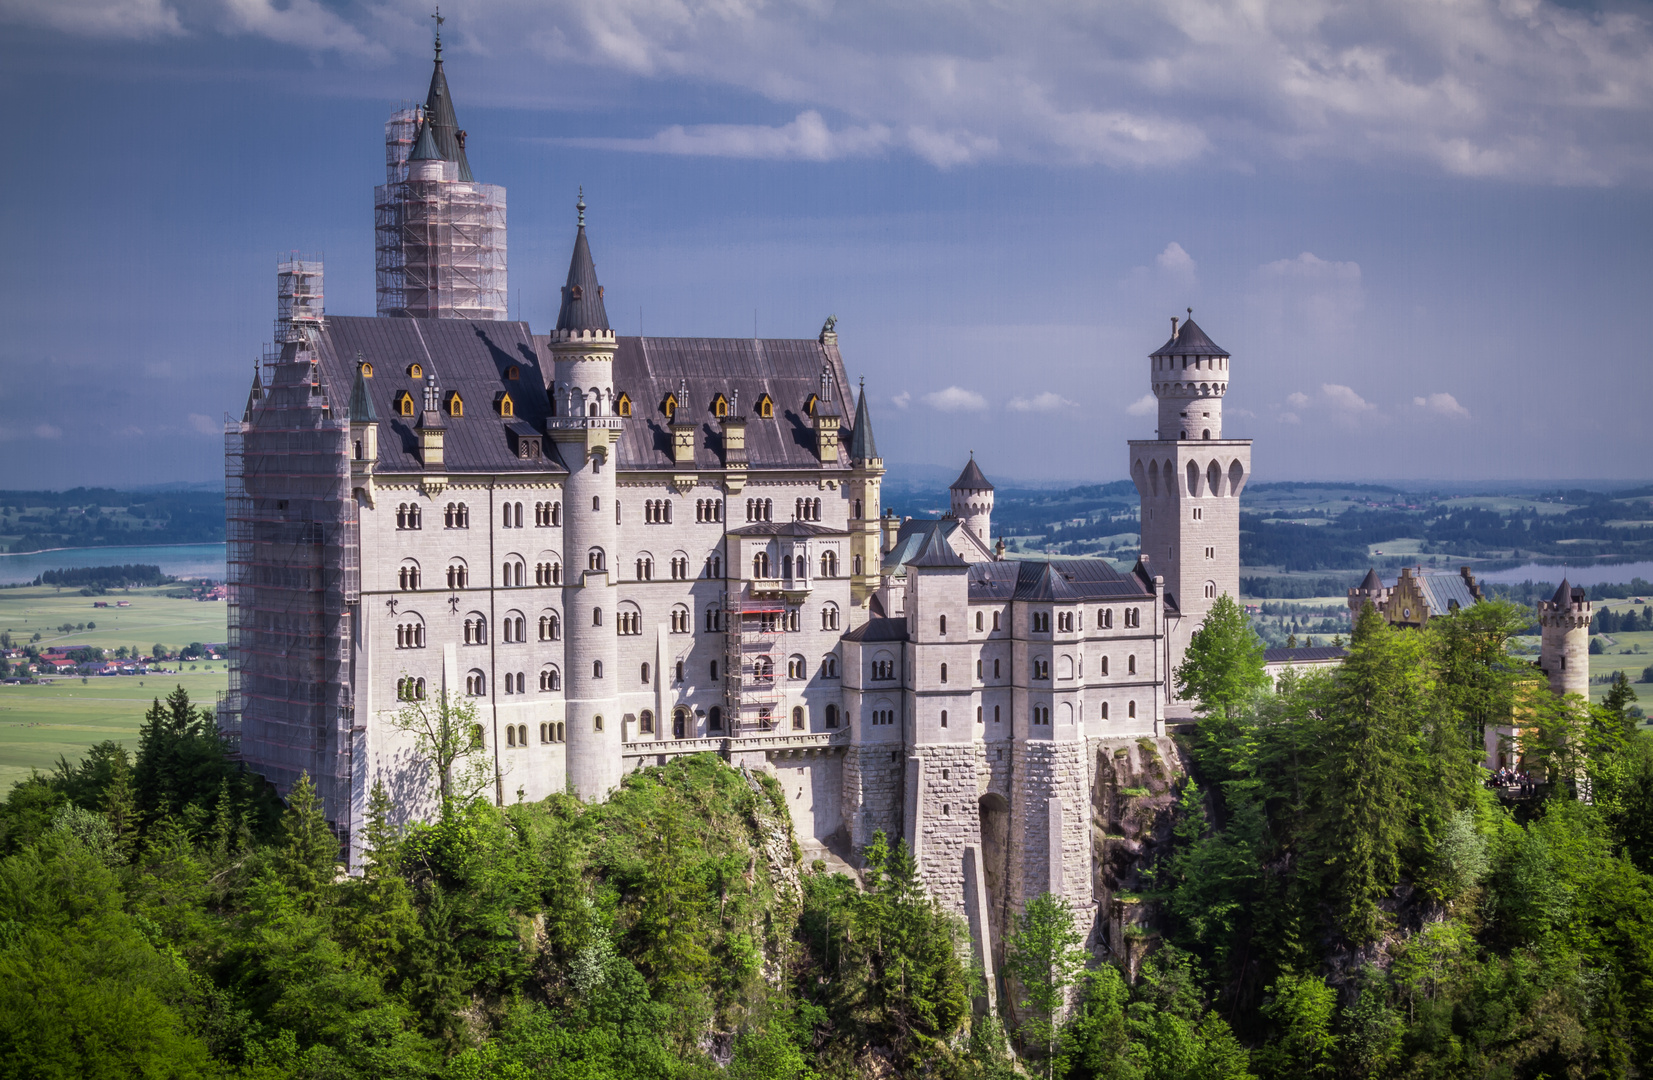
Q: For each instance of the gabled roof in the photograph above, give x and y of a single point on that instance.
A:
(911, 540)
(1068, 581)
(582, 297)
(971, 479)
(1190, 340)
(937, 554)
(444, 124)
(862, 447)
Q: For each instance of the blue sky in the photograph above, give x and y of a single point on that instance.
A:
(1422, 229)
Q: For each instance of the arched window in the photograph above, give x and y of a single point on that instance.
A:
(1210, 590)
(596, 616)
(510, 735)
(763, 669)
(596, 560)
(456, 404)
(1104, 665)
(550, 627)
(980, 625)
(760, 565)
(944, 718)
(829, 667)
(476, 684)
(404, 403)
(646, 673)
(1130, 664)
(1130, 710)
(942, 622)
(1104, 710)
(831, 717)
(596, 669)
(623, 405)
(680, 620)
(415, 371)
(829, 564)
(856, 562)
(714, 719)
(550, 678)
(944, 673)
(829, 617)
(766, 407)
(407, 577)
(797, 718)
(645, 722)
(680, 722)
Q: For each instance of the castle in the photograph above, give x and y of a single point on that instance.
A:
(626, 549)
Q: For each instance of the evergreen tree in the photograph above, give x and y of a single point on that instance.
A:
(1043, 955)
(309, 851)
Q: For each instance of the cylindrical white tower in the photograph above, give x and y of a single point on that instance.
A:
(1190, 379)
(1564, 643)
(587, 431)
(972, 501)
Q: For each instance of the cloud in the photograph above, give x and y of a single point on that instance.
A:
(1310, 295)
(1045, 402)
(1310, 267)
(205, 425)
(1442, 405)
(955, 399)
(806, 138)
(902, 400)
(1143, 406)
(1297, 400)
(1290, 418)
(1176, 262)
(1344, 398)
(46, 431)
(131, 19)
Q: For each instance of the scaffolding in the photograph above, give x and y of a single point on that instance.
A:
(293, 562)
(439, 243)
(755, 633)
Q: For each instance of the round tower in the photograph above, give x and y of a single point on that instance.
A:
(1190, 377)
(1564, 645)
(972, 500)
(587, 431)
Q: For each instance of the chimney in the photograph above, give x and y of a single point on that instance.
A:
(1173, 328)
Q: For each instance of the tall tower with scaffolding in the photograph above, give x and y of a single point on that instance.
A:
(439, 235)
(293, 558)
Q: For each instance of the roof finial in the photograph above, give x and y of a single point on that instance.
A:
(439, 22)
(580, 206)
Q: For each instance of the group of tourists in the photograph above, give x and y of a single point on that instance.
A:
(1515, 783)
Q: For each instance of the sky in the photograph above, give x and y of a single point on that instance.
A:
(1422, 228)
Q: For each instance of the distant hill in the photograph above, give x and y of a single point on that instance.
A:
(106, 517)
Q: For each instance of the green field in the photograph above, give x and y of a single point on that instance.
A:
(152, 619)
(65, 716)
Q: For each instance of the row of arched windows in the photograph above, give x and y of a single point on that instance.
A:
(760, 509)
(657, 512)
(410, 635)
(410, 689)
(408, 516)
(629, 623)
(512, 517)
(708, 510)
(807, 510)
(456, 516)
(548, 514)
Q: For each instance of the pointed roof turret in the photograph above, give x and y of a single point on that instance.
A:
(1189, 340)
(1563, 594)
(361, 405)
(582, 298)
(862, 447)
(424, 145)
(254, 396)
(440, 118)
(971, 479)
(1371, 582)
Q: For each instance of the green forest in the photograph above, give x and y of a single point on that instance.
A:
(1340, 894)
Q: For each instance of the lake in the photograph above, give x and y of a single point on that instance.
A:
(1616, 574)
(179, 560)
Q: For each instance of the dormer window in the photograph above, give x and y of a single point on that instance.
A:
(513, 373)
(367, 370)
(720, 406)
(809, 406)
(623, 405)
(456, 404)
(766, 407)
(670, 406)
(507, 407)
(574, 292)
(404, 404)
(415, 371)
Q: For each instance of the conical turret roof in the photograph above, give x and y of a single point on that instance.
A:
(440, 118)
(862, 446)
(1563, 594)
(971, 479)
(424, 145)
(254, 396)
(1189, 340)
(361, 404)
(582, 297)
(1371, 583)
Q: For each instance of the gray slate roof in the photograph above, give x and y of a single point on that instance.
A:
(361, 402)
(1070, 581)
(876, 629)
(790, 528)
(911, 539)
(472, 357)
(1440, 591)
(1190, 341)
(862, 446)
(468, 357)
(971, 479)
(938, 554)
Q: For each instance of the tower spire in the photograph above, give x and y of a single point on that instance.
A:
(862, 446)
(582, 296)
(439, 114)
